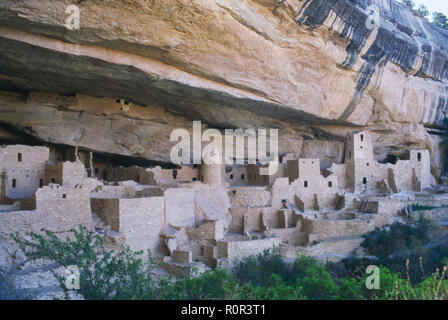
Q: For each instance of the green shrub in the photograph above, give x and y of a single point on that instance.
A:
(103, 274)
(403, 248)
(217, 284)
(258, 268)
(124, 275)
(398, 238)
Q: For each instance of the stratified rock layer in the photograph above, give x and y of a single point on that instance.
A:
(311, 68)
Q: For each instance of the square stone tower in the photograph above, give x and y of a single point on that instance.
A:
(359, 161)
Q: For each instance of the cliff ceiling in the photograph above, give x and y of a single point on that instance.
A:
(311, 68)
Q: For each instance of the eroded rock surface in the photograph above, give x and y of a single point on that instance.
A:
(311, 68)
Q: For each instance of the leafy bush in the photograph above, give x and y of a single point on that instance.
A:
(398, 238)
(257, 269)
(217, 284)
(103, 275)
(124, 275)
(408, 249)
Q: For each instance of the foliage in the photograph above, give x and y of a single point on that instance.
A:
(422, 12)
(421, 207)
(124, 275)
(434, 287)
(408, 249)
(258, 268)
(103, 274)
(408, 3)
(439, 19)
(398, 238)
(217, 284)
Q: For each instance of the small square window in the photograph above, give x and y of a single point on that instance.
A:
(64, 196)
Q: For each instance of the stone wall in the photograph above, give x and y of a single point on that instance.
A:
(63, 208)
(180, 207)
(66, 173)
(141, 221)
(237, 249)
(180, 175)
(25, 169)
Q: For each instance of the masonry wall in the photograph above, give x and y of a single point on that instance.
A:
(54, 212)
(306, 182)
(212, 174)
(141, 221)
(238, 249)
(237, 176)
(108, 210)
(25, 169)
(250, 197)
(180, 175)
(63, 208)
(66, 173)
(180, 207)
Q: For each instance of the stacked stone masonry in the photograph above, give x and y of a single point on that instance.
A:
(211, 215)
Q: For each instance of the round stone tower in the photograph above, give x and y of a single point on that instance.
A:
(212, 168)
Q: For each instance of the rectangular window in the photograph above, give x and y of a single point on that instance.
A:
(330, 184)
(19, 157)
(419, 156)
(14, 183)
(305, 184)
(41, 183)
(362, 137)
(364, 180)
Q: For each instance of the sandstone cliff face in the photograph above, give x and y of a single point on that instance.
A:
(311, 68)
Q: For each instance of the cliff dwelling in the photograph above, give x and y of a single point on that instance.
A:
(209, 215)
(347, 100)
